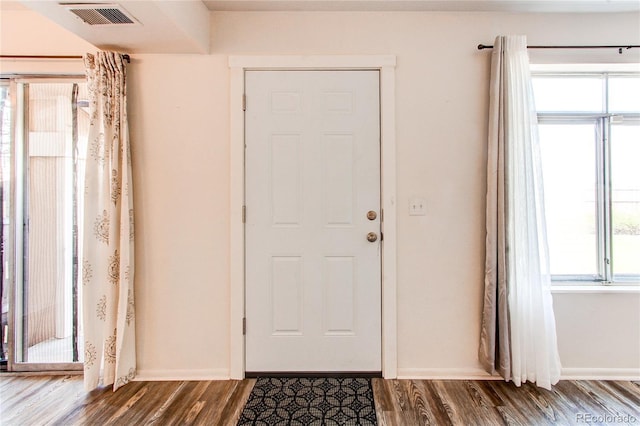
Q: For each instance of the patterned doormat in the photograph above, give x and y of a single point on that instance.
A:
(310, 401)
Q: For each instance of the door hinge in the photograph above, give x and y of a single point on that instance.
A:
(244, 214)
(244, 326)
(244, 102)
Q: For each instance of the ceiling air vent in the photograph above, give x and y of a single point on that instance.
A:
(100, 14)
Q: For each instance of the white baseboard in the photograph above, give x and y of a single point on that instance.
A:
(406, 373)
(445, 374)
(600, 374)
(480, 374)
(182, 375)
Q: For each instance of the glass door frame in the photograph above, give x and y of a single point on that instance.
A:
(16, 250)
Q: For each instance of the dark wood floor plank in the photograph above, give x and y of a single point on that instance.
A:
(382, 402)
(403, 402)
(486, 396)
(542, 398)
(419, 401)
(447, 404)
(174, 404)
(467, 405)
(233, 408)
(95, 401)
(142, 398)
(479, 398)
(567, 398)
(515, 405)
(382, 398)
(193, 412)
(61, 400)
(407, 413)
(604, 405)
(128, 404)
(185, 406)
(436, 404)
(626, 391)
(400, 395)
(160, 412)
(485, 387)
(215, 399)
(617, 398)
(581, 397)
(392, 416)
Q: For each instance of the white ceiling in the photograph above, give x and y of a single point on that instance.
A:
(427, 5)
(183, 26)
(163, 26)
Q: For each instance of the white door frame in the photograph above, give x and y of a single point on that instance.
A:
(238, 65)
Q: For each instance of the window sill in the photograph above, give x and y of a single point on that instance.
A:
(561, 288)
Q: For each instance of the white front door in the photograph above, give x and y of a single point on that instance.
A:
(313, 278)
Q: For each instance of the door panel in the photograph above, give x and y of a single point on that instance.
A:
(313, 280)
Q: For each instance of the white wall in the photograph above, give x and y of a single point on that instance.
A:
(179, 123)
(179, 120)
(23, 32)
(598, 334)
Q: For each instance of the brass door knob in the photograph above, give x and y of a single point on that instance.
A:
(372, 237)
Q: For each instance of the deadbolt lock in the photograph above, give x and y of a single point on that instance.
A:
(371, 215)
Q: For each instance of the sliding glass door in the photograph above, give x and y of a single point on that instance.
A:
(5, 195)
(49, 123)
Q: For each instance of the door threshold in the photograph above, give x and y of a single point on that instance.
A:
(314, 374)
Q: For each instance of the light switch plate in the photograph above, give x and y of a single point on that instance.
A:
(417, 207)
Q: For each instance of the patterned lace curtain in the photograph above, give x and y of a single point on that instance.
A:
(108, 266)
(518, 334)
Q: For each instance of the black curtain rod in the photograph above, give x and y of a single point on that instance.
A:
(620, 47)
(125, 56)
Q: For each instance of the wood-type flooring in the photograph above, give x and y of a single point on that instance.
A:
(61, 400)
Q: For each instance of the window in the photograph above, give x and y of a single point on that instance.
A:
(589, 128)
(44, 127)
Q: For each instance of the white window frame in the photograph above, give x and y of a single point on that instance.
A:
(602, 122)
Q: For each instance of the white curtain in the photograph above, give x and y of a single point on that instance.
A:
(108, 266)
(518, 335)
